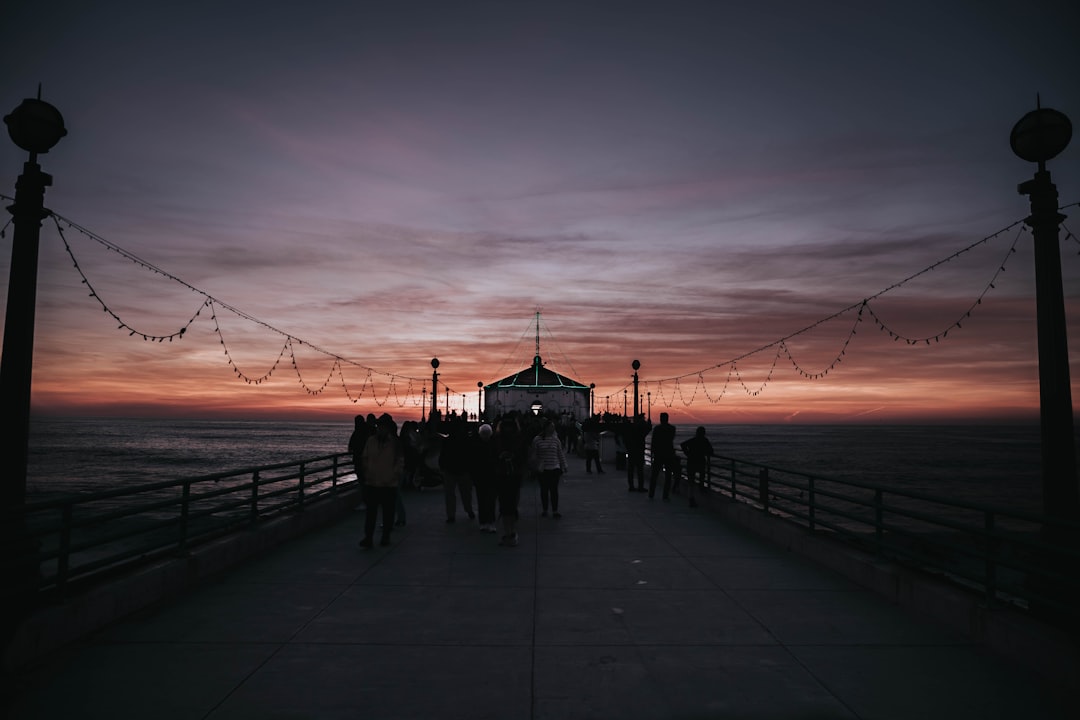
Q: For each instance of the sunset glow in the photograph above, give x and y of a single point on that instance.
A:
(686, 184)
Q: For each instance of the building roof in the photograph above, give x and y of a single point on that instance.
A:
(536, 376)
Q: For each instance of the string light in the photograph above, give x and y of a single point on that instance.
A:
(369, 384)
(862, 306)
(208, 301)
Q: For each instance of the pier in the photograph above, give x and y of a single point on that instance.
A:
(626, 607)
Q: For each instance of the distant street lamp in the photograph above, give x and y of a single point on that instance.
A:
(434, 386)
(35, 126)
(637, 409)
(649, 395)
(479, 400)
(592, 389)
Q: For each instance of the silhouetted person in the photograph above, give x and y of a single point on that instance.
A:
(663, 455)
(383, 462)
(699, 452)
(590, 432)
(509, 453)
(454, 464)
(550, 463)
(362, 430)
(634, 435)
(483, 466)
(410, 445)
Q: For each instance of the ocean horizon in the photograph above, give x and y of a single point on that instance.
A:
(992, 464)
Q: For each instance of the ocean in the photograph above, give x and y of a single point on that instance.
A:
(989, 464)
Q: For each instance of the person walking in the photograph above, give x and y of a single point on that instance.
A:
(362, 430)
(483, 466)
(663, 456)
(550, 463)
(383, 463)
(454, 465)
(509, 455)
(634, 435)
(698, 451)
(590, 431)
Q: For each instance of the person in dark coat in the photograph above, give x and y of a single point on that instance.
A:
(483, 467)
(362, 430)
(663, 456)
(699, 452)
(383, 462)
(510, 457)
(454, 465)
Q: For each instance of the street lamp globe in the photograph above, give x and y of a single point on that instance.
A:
(35, 126)
(1040, 135)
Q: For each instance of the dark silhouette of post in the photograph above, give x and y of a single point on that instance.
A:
(1037, 137)
(637, 404)
(480, 401)
(35, 126)
(434, 385)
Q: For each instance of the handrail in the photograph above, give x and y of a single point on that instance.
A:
(1011, 556)
(80, 538)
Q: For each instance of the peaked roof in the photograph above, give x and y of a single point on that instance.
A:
(537, 376)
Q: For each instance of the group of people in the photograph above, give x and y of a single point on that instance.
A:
(493, 459)
(698, 451)
(490, 461)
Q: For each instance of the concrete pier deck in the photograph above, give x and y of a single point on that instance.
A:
(625, 607)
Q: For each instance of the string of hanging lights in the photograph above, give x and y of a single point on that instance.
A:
(676, 389)
(208, 301)
(862, 307)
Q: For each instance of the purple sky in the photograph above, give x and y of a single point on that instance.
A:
(670, 181)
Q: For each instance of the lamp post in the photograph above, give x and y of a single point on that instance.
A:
(592, 389)
(35, 126)
(649, 395)
(480, 401)
(434, 385)
(1039, 136)
(637, 409)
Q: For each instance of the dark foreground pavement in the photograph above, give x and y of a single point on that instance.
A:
(624, 608)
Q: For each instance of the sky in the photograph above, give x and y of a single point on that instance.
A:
(329, 195)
